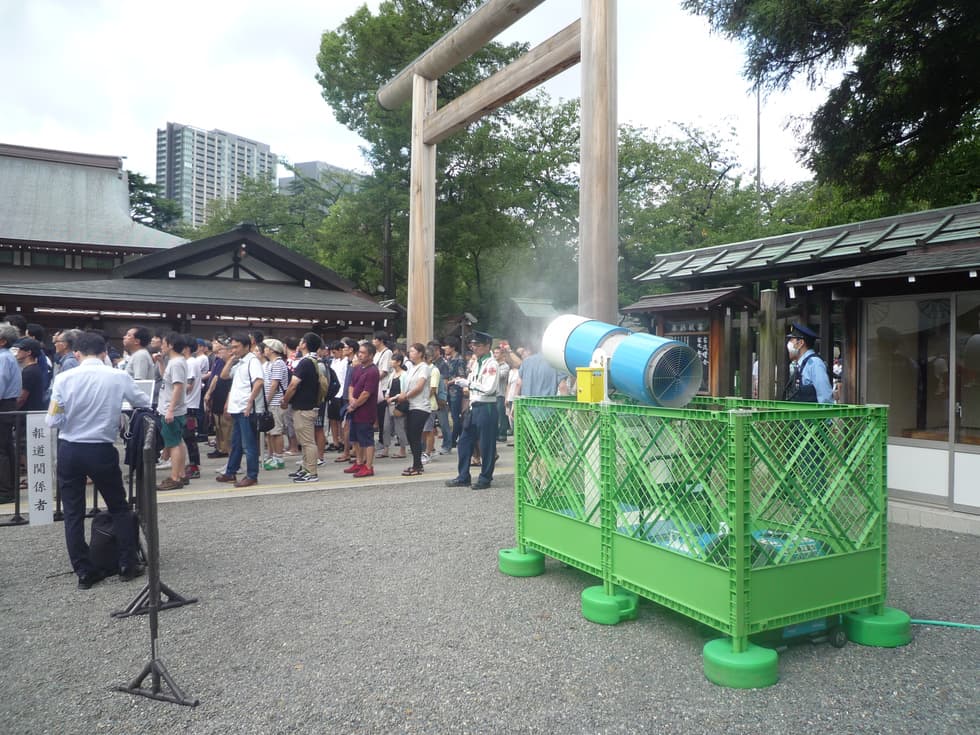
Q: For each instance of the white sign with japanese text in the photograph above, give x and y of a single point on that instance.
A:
(40, 470)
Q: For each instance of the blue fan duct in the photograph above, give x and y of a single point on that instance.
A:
(584, 340)
(647, 368)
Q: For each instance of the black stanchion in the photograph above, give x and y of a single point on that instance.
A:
(59, 514)
(13, 466)
(162, 686)
(143, 476)
(94, 510)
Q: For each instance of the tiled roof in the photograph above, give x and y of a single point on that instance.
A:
(927, 262)
(686, 300)
(207, 296)
(816, 249)
(69, 198)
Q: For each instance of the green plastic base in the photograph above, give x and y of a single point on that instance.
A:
(891, 629)
(754, 668)
(520, 564)
(605, 609)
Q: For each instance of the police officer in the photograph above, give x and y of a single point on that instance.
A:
(85, 406)
(811, 382)
(481, 428)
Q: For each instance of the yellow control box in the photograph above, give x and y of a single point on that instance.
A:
(590, 384)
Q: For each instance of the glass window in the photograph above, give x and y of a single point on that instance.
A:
(53, 260)
(98, 262)
(968, 369)
(908, 365)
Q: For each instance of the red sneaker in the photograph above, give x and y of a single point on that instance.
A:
(365, 471)
(353, 468)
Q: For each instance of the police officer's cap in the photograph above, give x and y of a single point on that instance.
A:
(480, 338)
(801, 331)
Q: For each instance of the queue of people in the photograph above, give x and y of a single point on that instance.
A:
(361, 400)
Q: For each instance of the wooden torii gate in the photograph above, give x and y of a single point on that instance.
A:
(591, 40)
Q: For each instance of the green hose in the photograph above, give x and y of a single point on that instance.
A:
(946, 624)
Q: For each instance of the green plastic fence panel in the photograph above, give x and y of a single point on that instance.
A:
(558, 480)
(746, 515)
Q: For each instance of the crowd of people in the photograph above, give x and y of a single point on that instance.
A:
(260, 401)
(247, 396)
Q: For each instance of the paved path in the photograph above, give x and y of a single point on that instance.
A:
(275, 482)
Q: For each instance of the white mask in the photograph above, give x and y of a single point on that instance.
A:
(792, 349)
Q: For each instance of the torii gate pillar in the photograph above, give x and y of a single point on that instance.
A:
(422, 216)
(598, 265)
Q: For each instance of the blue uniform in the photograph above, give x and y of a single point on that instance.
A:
(815, 374)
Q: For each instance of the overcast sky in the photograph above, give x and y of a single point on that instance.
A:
(101, 77)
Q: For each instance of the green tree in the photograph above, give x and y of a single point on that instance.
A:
(907, 106)
(149, 207)
(679, 194)
(475, 206)
(292, 219)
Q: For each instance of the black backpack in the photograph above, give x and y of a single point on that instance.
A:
(103, 550)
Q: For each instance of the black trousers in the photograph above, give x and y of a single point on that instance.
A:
(77, 461)
(190, 437)
(414, 424)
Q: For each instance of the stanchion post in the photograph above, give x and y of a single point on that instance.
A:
(155, 668)
(93, 511)
(146, 511)
(14, 469)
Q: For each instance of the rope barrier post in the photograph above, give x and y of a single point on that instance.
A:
(154, 668)
(13, 469)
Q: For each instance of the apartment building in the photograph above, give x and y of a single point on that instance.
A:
(195, 166)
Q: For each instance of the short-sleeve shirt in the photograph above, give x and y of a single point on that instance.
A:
(340, 366)
(382, 361)
(32, 380)
(365, 379)
(304, 397)
(435, 377)
(457, 369)
(275, 370)
(140, 365)
(247, 371)
(219, 395)
(176, 372)
(422, 371)
(192, 397)
(11, 380)
(538, 378)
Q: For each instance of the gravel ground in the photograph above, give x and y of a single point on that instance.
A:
(379, 609)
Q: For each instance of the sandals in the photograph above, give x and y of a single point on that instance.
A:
(411, 472)
(341, 458)
(479, 462)
(397, 456)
